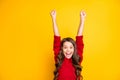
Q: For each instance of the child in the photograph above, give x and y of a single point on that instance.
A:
(68, 53)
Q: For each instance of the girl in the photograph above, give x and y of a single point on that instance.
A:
(68, 53)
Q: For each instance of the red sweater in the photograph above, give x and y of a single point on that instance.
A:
(67, 70)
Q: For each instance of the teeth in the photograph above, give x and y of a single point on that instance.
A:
(68, 53)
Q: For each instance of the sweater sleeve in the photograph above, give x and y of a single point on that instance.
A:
(80, 46)
(56, 46)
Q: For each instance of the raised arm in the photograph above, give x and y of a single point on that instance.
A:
(81, 25)
(57, 39)
(79, 37)
(55, 28)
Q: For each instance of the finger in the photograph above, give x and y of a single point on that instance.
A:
(83, 13)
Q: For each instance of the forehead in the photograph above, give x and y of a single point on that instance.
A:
(67, 43)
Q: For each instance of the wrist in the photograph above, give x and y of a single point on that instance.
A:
(54, 19)
(81, 21)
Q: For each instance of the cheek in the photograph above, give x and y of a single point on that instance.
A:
(72, 50)
(63, 50)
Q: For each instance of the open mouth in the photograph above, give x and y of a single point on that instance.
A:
(68, 54)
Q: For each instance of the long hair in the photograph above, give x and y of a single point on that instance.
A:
(75, 60)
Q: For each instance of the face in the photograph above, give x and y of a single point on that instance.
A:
(68, 49)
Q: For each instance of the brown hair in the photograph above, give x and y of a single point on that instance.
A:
(75, 59)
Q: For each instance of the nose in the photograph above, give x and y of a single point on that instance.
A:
(68, 49)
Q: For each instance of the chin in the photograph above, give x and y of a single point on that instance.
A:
(68, 57)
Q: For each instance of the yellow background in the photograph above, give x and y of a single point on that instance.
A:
(26, 37)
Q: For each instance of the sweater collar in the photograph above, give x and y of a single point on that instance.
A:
(68, 60)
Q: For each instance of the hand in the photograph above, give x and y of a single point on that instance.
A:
(82, 15)
(53, 14)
